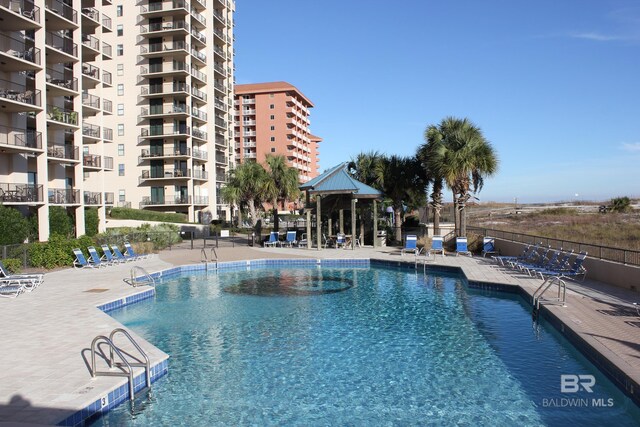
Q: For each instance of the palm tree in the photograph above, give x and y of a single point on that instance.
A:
(462, 157)
(403, 181)
(427, 157)
(246, 186)
(282, 184)
(364, 167)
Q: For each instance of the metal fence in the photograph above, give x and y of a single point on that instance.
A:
(624, 256)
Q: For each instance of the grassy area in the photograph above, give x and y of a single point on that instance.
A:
(611, 229)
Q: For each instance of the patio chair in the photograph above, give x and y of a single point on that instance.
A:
(576, 269)
(488, 246)
(11, 288)
(120, 256)
(95, 258)
(108, 256)
(437, 246)
(273, 240)
(326, 242)
(461, 246)
(133, 253)
(81, 261)
(502, 260)
(535, 257)
(290, 240)
(410, 245)
(542, 263)
(560, 263)
(341, 241)
(30, 281)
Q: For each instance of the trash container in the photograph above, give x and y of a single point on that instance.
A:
(381, 238)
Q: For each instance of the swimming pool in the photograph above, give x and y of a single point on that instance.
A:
(357, 346)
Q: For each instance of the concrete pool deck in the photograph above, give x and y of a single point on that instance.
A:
(46, 334)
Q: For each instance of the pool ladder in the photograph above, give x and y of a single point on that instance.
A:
(205, 259)
(125, 367)
(136, 273)
(544, 287)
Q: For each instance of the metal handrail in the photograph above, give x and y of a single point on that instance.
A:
(562, 291)
(95, 373)
(134, 277)
(147, 363)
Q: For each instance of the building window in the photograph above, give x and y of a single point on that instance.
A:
(120, 30)
(120, 89)
(273, 139)
(121, 69)
(272, 117)
(121, 196)
(121, 169)
(273, 128)
(121, 109)
(120, 149)
(121, 129)
(119, 10)
(120, 50)
(272, 106)
(273, 149)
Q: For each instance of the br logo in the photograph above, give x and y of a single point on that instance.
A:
(576, 383)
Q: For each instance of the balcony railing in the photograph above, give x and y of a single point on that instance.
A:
(164, 174)
(198, 35)
(89, 100)
(199, 17)
(90, 130)
(64, 196)
(91, 71)
(20, 93)
(199, 133)
(107, 105)
(164, 47)
(62, 115)
(91, 41)
(62, 79)
(200, 154)
(165, 130)
(92, 198)
(16, 47)
(176, 200)
(106, 78)
(198, 93)
(108, 162)
(175, 152)
(165, 88)
(62, 9)
(25, 8)
(62, 151)
(26, 138)
(91, 160)
(200, 200)
(165, 26)
(106, 21)
(221, 177)
(107, 134)
(199, 75)
(108, 199)
(200, 174)
(91, 13)
(160, 68)
(159, 110)
(61, 43)
(106, 49)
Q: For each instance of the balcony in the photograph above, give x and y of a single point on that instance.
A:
(106, 78)
(56, 9)
(164, 174)
(17, 98)
(174, 6)
(90, 47)
(176, 200)
(178, 152)
(91, 161)
(19, 140)
(198, 19)
(90, 103)
(200, 174)
(199, 75)
(200, 200)
(107, 106)
(218, 15)
(198, 114)
(106, 23)
(199, 37)
(90, 131)
(171, 110)
(200, 134)
(17, 55)
(90, 17)
(60, 152)
(160, 49)
(92, 198)
(19, 15)
(199, 94)
(106, 50)
(165, 88)
(166, 27)
(108, 199)
(64, 196)
(63, 82)
(65, 49)
(165, 130)
(176, 67)
(200, 154)
(11, 193)
(62, 115)
(108, 163)
(107, 134)
(91, 72)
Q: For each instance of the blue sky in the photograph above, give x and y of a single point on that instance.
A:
(554, 85)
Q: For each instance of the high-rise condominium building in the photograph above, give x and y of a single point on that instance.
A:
(174, 94)
(109, 103)
(273, 118)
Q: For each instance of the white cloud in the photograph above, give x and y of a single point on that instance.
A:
(596, 37)
(631, 146)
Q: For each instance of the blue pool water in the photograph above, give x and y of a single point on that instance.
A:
(356, 346)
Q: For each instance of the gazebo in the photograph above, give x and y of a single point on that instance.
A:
(336, 189)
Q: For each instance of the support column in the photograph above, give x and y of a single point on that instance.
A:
(375, 223)
(330, 229)
(308, 227)
(318, 221)
(341, 221)
(353, 222)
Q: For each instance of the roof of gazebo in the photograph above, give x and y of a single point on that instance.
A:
(338, 181)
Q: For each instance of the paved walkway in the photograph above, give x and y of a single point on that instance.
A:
(46, 334)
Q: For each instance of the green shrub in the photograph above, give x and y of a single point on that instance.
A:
(160, 236)
(91, 221)
(14, 265)
(60, 222)
(58, 251)
(144, 215)
(620, 204)
(14, 227)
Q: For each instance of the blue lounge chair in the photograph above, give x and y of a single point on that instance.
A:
(133, 253)
(291, 239)
(95, 258)
(557, 264)
(526, 253)
(575, 270)
(437, 246)
(341, 240)
(81, 261)
(273, 239)
(11, 288)
(461, 246)
(120, 256)
(488, 246)
(109, 257)
(31, 281)
(410, 244)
